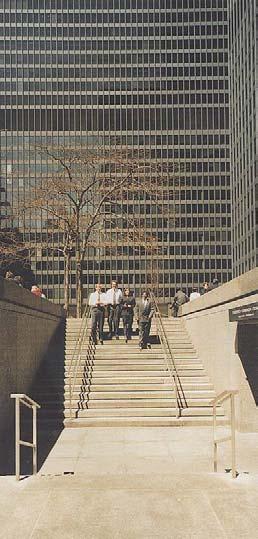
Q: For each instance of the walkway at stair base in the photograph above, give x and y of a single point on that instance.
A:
(129, 387)
(135, 483)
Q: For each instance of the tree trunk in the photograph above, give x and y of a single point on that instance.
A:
(78, 289)
(67, 261)
(78, 262)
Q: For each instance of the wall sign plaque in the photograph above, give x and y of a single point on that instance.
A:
(245, 312)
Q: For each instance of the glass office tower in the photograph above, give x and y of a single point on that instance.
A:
(244, 88)
(150, 74)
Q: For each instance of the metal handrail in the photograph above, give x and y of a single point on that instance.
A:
(222, 397)
(169, 358)
(87, 376)
(76, 357)
(78, 342)
(21, 398)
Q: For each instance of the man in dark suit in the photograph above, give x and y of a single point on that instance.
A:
(144, 311)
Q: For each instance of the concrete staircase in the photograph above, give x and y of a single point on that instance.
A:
(130, 387)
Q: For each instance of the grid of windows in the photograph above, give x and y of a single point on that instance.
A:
(243, 127)
(152, 74)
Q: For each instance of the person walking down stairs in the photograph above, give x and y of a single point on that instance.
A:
(144, 311)
(113, 300)
(127, 311)
(97, 301)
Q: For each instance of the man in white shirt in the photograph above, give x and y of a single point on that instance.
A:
(97, 301)
(113, 299)
(194, 294)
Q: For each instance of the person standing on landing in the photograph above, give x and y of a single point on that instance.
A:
(144, 311)
(114, 298)
(127, 307)
(194, 294)
(97, 301)
(205, 288)
(179, 299)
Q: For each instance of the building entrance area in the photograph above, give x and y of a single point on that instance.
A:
(247, 348)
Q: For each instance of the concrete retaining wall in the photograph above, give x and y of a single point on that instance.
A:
(216, 340)
(31, 329)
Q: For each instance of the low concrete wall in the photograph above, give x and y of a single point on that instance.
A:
(216, 340)
(31, 329)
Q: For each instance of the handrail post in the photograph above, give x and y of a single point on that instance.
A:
(226, 395)
(17, 438)
(21, 398)
(233, 434)
(70, 396)
(215, 446)
(34, 438)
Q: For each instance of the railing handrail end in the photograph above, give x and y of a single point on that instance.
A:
(25, 397)
(223, 396)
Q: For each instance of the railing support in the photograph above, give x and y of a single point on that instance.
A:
(21, 398)
(84, 334)
(222, 397)
(17, 438)
(170, 362)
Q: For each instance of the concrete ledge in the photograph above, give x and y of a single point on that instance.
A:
(32, 333)
(243, 286)
(228, 349)
(13, 294)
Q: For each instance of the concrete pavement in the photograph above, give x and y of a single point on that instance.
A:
(135, 483)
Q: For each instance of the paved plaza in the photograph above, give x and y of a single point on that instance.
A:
(131, 483)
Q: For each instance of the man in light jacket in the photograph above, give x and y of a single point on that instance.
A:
(114, 298)
(97, 301)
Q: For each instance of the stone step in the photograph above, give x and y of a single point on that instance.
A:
(148, 394)
(142, 357)
(134, 365)
(143, 381)
(145, 412)
(134, 349)
(102, 375)
(126, 363)
(115, 354)
(178, 334)
(118, 365)
(106, 404)
(142, 422)
(154, 386)
(116, 381)
(185, 353)
(107, 369)
(80, 377)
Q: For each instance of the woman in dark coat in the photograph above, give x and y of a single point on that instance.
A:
(127, 310)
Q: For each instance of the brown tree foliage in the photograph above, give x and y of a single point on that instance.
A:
(74, 194)
(12, 248)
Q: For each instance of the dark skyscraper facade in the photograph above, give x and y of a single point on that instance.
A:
(149, 74)
(244, 88)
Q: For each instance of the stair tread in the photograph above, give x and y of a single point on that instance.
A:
(142, 421)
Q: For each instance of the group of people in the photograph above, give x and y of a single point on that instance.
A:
(181, 297)
(120, 305)
(18, 279)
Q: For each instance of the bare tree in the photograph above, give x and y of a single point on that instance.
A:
(73, 194)
(12, 248)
